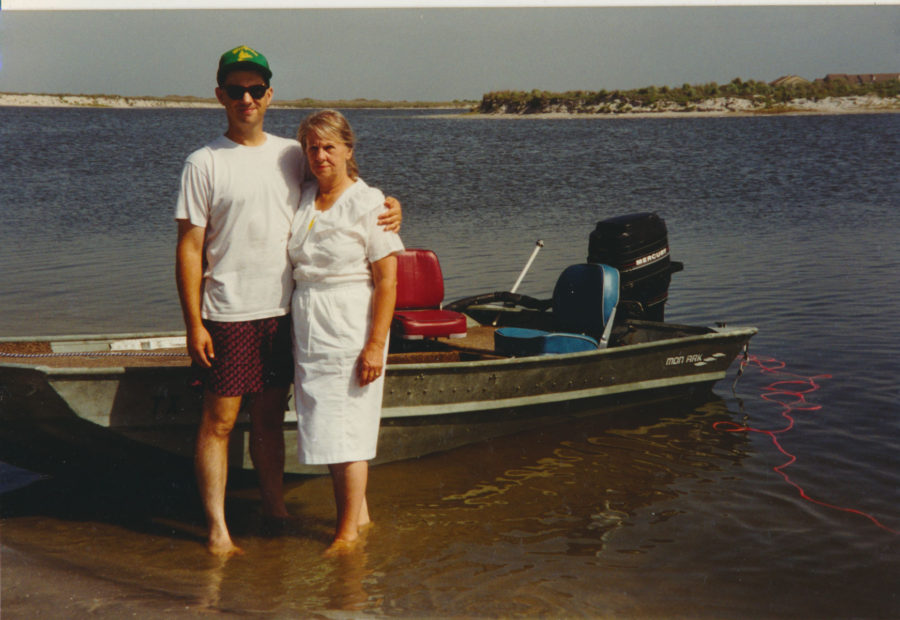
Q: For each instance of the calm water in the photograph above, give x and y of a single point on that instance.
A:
(788, 223)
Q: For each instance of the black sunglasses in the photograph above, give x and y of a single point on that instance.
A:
(235, 92)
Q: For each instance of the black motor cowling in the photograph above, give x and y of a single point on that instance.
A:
(638, 246)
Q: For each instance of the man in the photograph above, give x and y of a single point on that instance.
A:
(238, 196)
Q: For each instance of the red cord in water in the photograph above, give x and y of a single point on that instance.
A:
(791, 395)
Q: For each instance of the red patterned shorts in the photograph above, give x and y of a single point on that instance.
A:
(250, 356)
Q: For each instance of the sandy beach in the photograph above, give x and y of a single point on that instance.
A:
(720, 106)
(35, 587)
(96, 101)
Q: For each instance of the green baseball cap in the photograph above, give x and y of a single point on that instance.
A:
(245, 58)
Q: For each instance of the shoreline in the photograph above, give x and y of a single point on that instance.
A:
(120, 102)
(719, 107)
(731, 107)
(670, 114)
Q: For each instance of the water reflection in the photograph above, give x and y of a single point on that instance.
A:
(347, 581)
(596, 476)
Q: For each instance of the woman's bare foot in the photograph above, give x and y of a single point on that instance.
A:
(365, 527)
(342, 547)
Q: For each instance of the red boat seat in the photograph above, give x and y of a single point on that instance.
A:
(420, 291)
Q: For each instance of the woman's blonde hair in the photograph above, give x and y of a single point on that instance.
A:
(330, 124)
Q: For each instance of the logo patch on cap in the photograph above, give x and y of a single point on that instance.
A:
(244, 53)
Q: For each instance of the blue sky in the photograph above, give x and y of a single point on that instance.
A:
(439, 52)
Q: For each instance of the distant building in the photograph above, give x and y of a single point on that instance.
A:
(860, 78)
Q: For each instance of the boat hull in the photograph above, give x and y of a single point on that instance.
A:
(54, 419)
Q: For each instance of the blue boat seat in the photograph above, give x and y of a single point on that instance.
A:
(585, 300)
(520, 342)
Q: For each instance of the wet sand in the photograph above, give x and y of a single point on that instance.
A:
(37, 588)
(113, 548)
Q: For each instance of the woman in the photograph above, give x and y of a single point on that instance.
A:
(345, 275)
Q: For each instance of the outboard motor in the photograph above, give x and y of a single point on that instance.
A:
(638, 246)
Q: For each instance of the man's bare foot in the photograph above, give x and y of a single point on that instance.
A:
(219, 543)
(223, 549)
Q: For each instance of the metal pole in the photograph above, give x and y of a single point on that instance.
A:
(537, 248)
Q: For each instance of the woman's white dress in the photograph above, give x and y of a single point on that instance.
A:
(332, 315)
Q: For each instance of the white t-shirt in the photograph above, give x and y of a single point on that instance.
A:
(245, 197)
(336, 246)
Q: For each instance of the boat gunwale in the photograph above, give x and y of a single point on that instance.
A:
(716, 333)
(94, 337)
